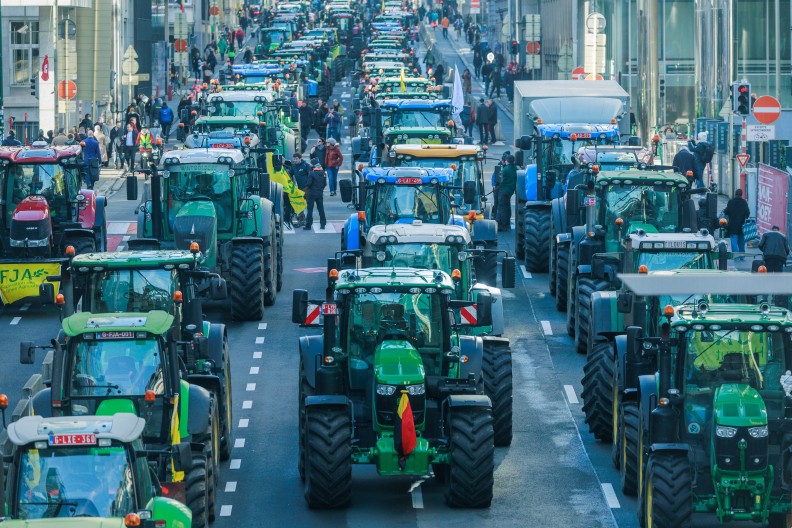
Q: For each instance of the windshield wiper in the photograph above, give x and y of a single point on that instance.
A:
(688, 264)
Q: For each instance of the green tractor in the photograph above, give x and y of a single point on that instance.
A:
(94, 469)
(393, 363)
(710, 419)
(214, 198)
(130, 363)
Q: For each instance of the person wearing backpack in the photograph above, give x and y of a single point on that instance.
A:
(703, 151)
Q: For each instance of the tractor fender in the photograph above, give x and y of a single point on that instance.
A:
(484, 231)
(544, 206)
(216, 338)
(246, 240)
(352, 232)
(669, 448)
(210, 382)
(520, 190)
(356, 150)
(276, 197)
(266, 214)
(100, 217)
(583, 270)
(473, 348)
(327, 400)
(310, 348)
(468, 400)
(458, 220)
(88, 213)
(578, 234)
(198, 410)
(620, 355)
(41, 403)
(73, 233)
(558, 209)
(647, 396)
(531, 189)
(498, 325)
(602, 308)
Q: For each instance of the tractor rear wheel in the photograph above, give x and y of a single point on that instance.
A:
(197, 491)
(519, 232)
(497, 373)
(585, 289)
(469, 478)
(305, 391)
(630, 444)
(328, 457)
(617, 416)
(82, 245)
(562, 277)
(668, 499)
(552, 264)
(597, 391)
(226, 409)
(270, 269)
(211, 442)
(537, 240)
(247, 282)
(486, 266)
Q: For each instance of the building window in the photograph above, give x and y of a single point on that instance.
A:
(24, 51)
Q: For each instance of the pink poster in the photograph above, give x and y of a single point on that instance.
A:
(771, 208)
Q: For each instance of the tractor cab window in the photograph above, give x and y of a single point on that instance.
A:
(405, 203)
(234, 108)
(420, 118)
(204, 183)
(671, 260)
(654, 209)
(131, 290)
(422, 256)
(115, 367)
(45, 179)
(466, 170)
(83, 481)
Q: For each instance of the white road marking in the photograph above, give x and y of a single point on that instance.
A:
(259, 340)
(570, 393)
(15, 320)
(25, 307)
(236, 463)
(256, 355)
(328, 229)
(230, 488)
(546, 328)
(250, 387)
(247, 404)
(239, 442)
(262, 326)
(225, 509)
(610, 496)
(525, 272)
(417, 495)
(254, 370)
(243, 423)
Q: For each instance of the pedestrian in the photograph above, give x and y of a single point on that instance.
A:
(477, 62)
(86, 122)
(429, 59)
(130, 146)
(90, 152)
(486, 70)
(468, 117)
(50, 137)
(300, 173)
(60, 138)
(439, 74)
(333, 161)
(306, 121)
(495, 82)
(116, 149)
(482, 118)
(11, 140)
(506, 188)
(222, 47)
(333, 125)
(703, 153)
(319, 150)
(508, 83)
(133, 117)
(211, 60)
(445, 23)
(319, 118)
(467, 82)
(240, 37)
(314, 196)
(684, 162)
(775, 248)
(737, 212)
(166, 120)
(70, 141)
(102, 140)
(492, 120)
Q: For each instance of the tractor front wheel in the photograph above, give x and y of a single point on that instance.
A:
(597, 391)
(305, 391)
(82, 245)
(328, 457)
(197, 491)
(630, 444)
(247, 282)
(519, 232)
(497, 373)
(562, 276)
(470, 475)
(585, 289)
(668, 498)
(270, 270)
(226, 409)
(537, 240)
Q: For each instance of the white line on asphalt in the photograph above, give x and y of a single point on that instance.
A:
(259, 340)
(239, 442)
(570, 393)
(610, 495)
(25, 307)
(247, 404)
(250, 387)
(417, 494)
(236, 463)
(256, 355)
(243, 423)
(525, 272)
(230, 487)
(262, 326)
(225, 509)
(254, 370)
(546, 328)
(15, 320)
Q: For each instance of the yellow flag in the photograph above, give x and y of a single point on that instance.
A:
(402, 87)
(296, 196)
(178, 476)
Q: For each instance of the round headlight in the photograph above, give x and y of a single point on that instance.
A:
(462, 256)
(392, 239)
(381, 256)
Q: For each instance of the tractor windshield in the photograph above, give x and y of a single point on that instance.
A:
(404, 203)
(276, 35)
(131, 290)
(423, 256)
(235, 108)
(83, 481)
(671, 260)
(202, 182)
(426, 118)
(46, 179)
(557, 153)
(654, 209)
(466, 170)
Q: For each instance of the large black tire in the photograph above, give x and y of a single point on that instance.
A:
(82, 245)
(519, 232)
(668, 500)
(617, 417)
(211, 442)
(305, 391)
(328, 457)
(497, 373)
(470, 475)
(270, 269)
(197, 491)
(630, 445)
(597, 391)
(247, 282)
(562, 277)
(586, 286)
(226, 407)
(486, 267)
(537, 242)
(551, 276)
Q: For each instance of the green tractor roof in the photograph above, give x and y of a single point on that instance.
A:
(760, 316)
(418, 233)
(394, 278)
(412, 131)
(640, 239)
(641, 177)
(203, 156)
(148, 259)
(118, 326)
(122, 427)
(228, 121)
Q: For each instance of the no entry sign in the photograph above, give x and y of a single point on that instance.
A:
(767, 109)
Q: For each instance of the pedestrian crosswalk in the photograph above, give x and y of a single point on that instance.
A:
(118, 233)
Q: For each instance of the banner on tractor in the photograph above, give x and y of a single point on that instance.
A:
(296, 196)
(19, 280)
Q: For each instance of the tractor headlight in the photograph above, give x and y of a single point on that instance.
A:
(758, 432)
(462, 256)
(417, 390)
(385, 390)
(726, 432)
(381, 256)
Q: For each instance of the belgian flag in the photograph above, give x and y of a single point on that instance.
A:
(181, 5)
(404, 435)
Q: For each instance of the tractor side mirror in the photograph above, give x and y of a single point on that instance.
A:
(182, 456)
(484, 308)
(624, 303)
(263, 182)
(634, 141)
(508, 271)
(295, 115)
(519, 158)
(469, 192)
(27, 352)
(689, 219)
(46, 293)
(634, 333)
(346, 188)
(218, 288)
(299, 306)
(272, 135)
(524, 143)
(132, 187)
(334, 263)
(712, 207)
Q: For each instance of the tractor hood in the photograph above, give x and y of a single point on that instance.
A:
(65, 522)
(739, 405)
(397, 362)
(196, 221)
(32, 209)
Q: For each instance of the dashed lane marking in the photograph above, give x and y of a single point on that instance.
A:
(259, 340)
(262, 326)
(417, 495)
(328, 229)
(254, 370)
(25, 307)
(570, 394)
(230, 488)
(525, 272)
(610, 496)
(546, 328)
(239, 442)
(247, 404)
(256, 355)
(15, 320)
(225, 509)
(250, 387)
(243, 423)
(236, 463)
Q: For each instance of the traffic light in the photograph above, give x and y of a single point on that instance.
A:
(662, 89)
(514, 50)
(741, 98)
(33, 86)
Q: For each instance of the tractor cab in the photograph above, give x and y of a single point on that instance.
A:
(241, 127)
(239, 103)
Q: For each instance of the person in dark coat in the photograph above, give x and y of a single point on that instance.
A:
(506, 188)
(86, 122)
(90, 152)
(11, 140)
(775, 249)
(306, 120)
(492, 119)
(737, 212)
(166, 120)
(482, 118)
(439, 74)
(685, 161)
(477, 62)
(314, 195)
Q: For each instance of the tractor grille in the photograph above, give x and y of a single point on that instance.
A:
(30, 230)
(188, 229)
(728, 452)
(387, 405)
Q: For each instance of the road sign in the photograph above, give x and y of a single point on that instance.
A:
(130, 66)
(66, 107)
(134, 80)
(180, 45)
(214, 10)
(761, 132)
(595, 23)
(532, 48)
(593, 77)
(767, 109)
(67, 90)
(742, 159)
(579, 73)
(45, 68)
(130, 53)
(532, 29)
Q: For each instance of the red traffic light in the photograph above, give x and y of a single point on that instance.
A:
(513, 42)
(742, 89)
